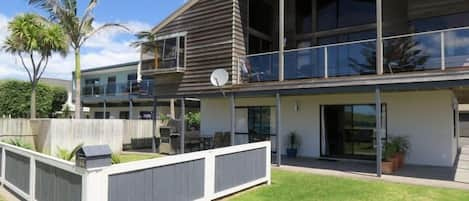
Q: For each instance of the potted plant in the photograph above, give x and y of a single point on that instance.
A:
(388, 163)
(293, 144)
(402, 147)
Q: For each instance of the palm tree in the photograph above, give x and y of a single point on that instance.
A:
(146, 41)
(78, 28)
(33, 37)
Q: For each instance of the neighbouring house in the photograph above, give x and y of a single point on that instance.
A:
(67, 84)
(114, 92)
(313, 69)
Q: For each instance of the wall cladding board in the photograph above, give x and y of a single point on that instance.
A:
(239, 168)
(53, 184)
(181, 182)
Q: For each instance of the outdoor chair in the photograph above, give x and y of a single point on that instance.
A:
(227, 139)
(218, 140)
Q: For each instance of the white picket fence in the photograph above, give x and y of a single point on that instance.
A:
(221, 172)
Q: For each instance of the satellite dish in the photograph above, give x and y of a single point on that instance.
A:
(219, 77)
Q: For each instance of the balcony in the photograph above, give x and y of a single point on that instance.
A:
(152, 67)
(122, 90)
(165, 56)
(428, 51)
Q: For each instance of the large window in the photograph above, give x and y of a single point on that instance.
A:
(348, 130)
(262, 25)
(168, 53)
(334, 14)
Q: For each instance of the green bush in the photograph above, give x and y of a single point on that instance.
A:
(16, 97)
(193, 120)
(67, 155)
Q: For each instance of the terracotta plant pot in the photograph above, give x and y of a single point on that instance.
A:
(387, 167)
(401, 158)
(395, 162)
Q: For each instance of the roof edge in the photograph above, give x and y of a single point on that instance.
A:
(174, 15)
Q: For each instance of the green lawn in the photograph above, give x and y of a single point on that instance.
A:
(130, 157)
(291, 186)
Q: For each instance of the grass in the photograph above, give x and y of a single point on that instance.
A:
(131, 157)
(292, 186)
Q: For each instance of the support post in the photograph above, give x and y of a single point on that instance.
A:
(379, 37)
(104, 108)
(233, 119)
(279, 129)
(154, 117)
(32, 179)
(172, 108)
(131, 109)
(183, 125)
(379, 130)
(281, 42)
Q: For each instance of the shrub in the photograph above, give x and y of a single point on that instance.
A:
(67, 155)
(116, 159)
(193, 120)
(19, 143)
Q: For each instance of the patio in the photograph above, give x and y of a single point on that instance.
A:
(409, 174)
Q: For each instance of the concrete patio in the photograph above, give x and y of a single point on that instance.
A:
(409, 174)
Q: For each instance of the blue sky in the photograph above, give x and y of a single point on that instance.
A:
(107, 48)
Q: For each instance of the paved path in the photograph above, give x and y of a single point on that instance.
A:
(389, 178)
(7, 195)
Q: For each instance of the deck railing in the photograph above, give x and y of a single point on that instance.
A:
(144, 88)
(434, 50)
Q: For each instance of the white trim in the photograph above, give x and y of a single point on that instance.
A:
(16, 189)
(443, 50)
(241, 187)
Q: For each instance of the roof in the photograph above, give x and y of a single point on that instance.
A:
(174, 15)
(110, 67)
(96, 150)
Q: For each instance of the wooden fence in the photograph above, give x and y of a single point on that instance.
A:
(204, 175)
(50, 134)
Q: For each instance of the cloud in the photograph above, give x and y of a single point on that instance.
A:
(105, 48)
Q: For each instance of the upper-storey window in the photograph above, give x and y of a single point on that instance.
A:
(413, 16)
(165, 53)
(262, 25)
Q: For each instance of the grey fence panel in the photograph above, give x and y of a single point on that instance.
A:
(54, 184)
(177, 182)
(17, 170)
(239, 168)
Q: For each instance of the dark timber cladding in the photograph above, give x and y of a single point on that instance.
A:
(209, 27)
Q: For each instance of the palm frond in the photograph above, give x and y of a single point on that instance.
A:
(102, 28)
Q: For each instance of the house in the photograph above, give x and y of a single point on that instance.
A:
(113, 92)
(67, 84)
(339, 73)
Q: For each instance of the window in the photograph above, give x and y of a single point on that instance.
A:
(144, 115)
(92, 87)
(124, 115)
(168, 53)
(259, 120)
(304, 16)
(100, 115)
(344, 13)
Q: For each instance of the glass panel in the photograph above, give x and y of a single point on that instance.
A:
(413, 16)
(170, 48)
(352, 59)
(356, 12)
(413, 53)
(182, 49)
(326, 14)
(304, 16)
(262, 68)
(457, 48)
(304, 64)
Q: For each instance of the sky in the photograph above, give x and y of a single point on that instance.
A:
(106, 48)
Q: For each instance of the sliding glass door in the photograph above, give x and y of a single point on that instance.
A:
(348, 131)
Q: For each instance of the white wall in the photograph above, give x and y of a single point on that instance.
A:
(425, 117)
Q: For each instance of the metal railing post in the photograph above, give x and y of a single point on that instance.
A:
(32, 179)
(443, 51)
(326, 63)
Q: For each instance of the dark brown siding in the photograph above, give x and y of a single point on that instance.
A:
(209, 27)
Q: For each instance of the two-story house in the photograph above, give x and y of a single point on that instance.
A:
(339, 73)
(113, 92)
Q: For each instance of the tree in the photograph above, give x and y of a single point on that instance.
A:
(33, 38)
(79, 30)
(59, 98)
(16, 95)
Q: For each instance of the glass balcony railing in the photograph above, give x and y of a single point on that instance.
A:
(435, 50)
(144, 88)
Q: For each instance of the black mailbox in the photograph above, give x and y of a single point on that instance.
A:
(94, 156)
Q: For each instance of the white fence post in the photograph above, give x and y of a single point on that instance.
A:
(32, 178)
(209, 176)
(3, 166)
(94, 186)
(268, 163)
